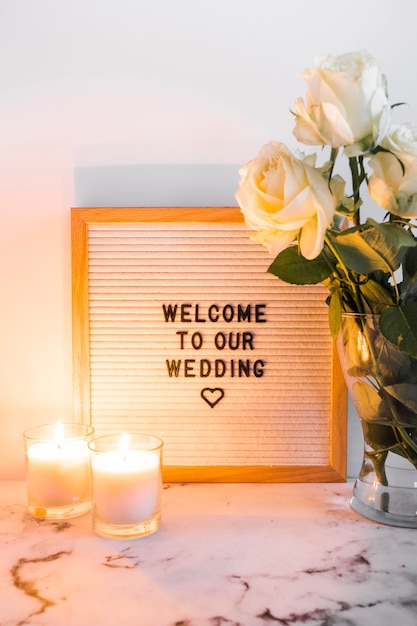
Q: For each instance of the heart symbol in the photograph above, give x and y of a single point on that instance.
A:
(212, 396)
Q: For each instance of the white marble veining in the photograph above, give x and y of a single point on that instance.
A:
(225, 555)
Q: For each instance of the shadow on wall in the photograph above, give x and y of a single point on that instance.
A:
(156, 185)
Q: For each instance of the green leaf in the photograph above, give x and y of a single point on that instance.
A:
(376, 296)
(405, 393)
(361, 256)
(392, 364)
(395, 235)
(410, 262)
(399, 325)
(408, 285)
(379, 247)
(293, 268)
(369, 404)
(335, 313)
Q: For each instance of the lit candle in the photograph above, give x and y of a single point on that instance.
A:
(126, 484)
(57, 470)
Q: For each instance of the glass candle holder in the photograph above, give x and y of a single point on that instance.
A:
(58, 470)
(126, 478)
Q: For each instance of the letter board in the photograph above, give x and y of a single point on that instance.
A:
(179, 331)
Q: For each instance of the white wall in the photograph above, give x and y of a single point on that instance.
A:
(134, 102)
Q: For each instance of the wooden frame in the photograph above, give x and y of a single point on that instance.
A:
(332, 470)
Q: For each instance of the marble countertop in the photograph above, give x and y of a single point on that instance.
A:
(225, 555)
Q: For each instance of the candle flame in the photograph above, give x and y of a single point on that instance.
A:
(59, 433)
(124, 444)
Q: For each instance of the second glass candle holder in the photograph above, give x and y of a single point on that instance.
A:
(126, 476)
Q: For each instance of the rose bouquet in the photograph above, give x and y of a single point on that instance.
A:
(315, 225)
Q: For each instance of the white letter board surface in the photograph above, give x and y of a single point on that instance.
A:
(179, 331)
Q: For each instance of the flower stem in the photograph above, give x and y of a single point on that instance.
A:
(357, 180)
(347, 275)
(404, 441)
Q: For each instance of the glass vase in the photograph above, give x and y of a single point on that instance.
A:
(382, 382)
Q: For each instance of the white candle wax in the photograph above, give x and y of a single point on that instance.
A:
(126, 486)
(58, 474)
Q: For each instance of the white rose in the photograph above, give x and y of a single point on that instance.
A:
(393, 184)
(283, 197)
(346, 103)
